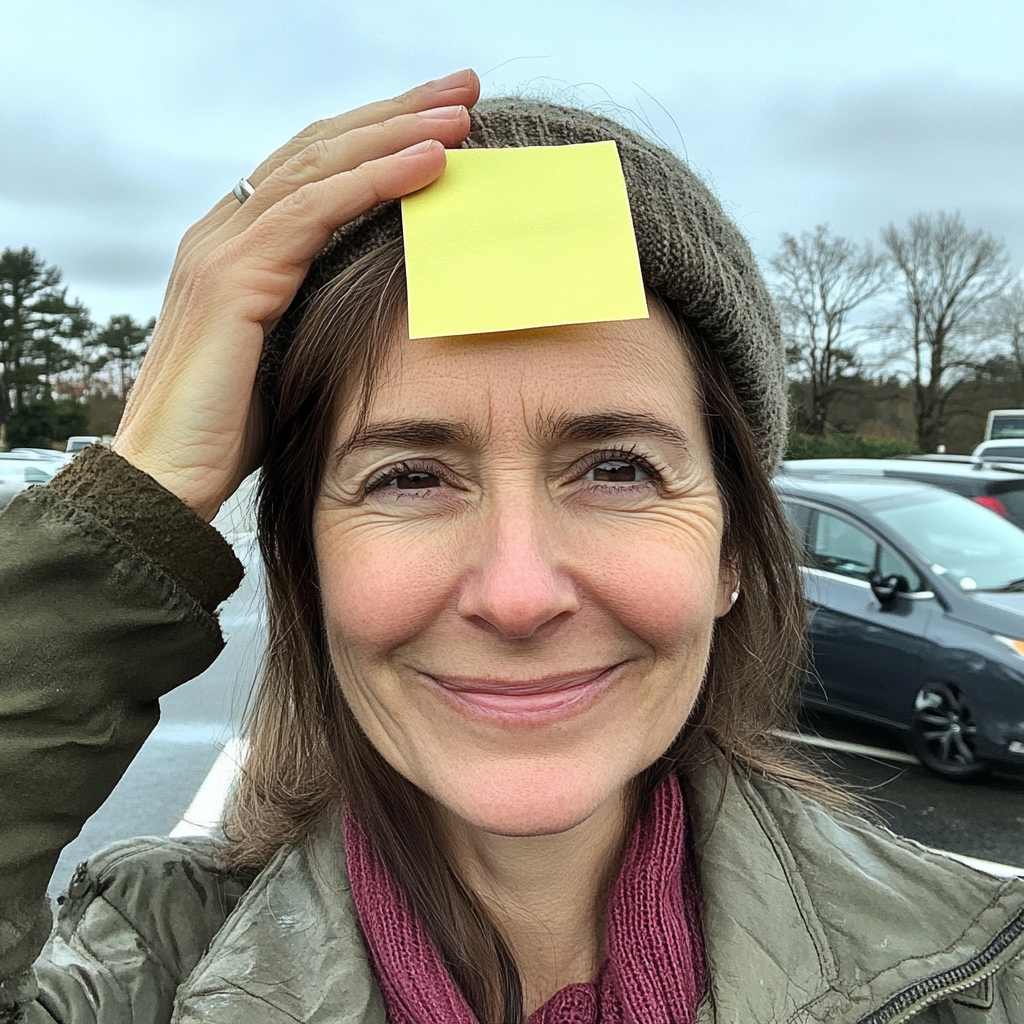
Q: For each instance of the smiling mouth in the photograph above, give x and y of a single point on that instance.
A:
(527, 700)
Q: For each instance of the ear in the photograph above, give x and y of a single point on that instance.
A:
(728, 589)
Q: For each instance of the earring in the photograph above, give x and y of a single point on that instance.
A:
(733, 596)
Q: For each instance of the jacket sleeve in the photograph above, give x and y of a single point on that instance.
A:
(108, 587)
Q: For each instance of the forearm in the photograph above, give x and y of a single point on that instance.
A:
(107, 592)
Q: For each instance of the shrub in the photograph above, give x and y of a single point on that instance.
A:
(38, 424)
(846, 446)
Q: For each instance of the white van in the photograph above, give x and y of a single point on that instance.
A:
(1004, 423)
(77, 444)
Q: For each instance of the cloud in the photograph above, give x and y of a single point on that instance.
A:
(934, 135)
(46, 164)
(932, 125)
(885, 152)
(50, 165)
(121, 262)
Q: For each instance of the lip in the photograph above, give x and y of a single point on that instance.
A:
(526, 701)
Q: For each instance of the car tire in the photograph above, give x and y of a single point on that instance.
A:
(943, 734)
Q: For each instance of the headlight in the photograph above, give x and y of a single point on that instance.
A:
(1017, 646)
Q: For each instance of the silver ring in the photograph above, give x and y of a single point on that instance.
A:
(242, 190)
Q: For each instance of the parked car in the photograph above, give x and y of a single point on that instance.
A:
(61, 458)
(916, 616)
(21, 470)
(1000, 489)
(42, 453)
(1000, 448)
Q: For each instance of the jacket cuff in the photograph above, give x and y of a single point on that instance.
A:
(154, 521)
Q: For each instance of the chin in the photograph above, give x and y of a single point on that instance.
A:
(543, 801)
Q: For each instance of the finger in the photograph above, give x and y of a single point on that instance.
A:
(459, 89)
(270, 258)
(254, 275)
(322, 159)
(352, 193)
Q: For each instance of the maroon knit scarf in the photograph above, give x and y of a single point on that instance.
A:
(654, 969)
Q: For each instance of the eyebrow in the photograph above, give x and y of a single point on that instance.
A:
(424, 433)
(410, 434)
(603, 425)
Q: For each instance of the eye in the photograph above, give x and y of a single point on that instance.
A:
(620, 471)
(414, 480)
(407, 476)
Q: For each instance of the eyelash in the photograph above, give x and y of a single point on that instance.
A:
(384, 476)
(399, 469)
(630, 456)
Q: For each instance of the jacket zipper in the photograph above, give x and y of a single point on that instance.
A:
(948, 982)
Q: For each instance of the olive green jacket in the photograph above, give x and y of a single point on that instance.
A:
(107, 594)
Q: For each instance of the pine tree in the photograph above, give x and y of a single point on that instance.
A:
(38, 324)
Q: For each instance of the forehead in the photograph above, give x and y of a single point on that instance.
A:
(635, 365)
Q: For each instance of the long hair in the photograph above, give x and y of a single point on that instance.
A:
(307, 753)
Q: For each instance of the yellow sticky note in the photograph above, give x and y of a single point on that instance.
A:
(508, 239)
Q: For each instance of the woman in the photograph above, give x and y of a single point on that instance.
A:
(533, 612)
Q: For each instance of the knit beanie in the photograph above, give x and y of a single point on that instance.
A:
(691, 255)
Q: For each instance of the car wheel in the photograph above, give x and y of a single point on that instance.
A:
(943, 735)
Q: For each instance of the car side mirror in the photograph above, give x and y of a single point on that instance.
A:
(888, 588)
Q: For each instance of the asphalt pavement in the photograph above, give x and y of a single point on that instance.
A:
(977, 819)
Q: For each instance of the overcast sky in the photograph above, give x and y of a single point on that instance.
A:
(122, 121)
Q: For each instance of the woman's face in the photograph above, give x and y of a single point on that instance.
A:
(519, 555)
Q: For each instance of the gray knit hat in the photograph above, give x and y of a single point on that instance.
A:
(691, 254)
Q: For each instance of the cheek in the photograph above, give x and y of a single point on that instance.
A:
(662, 585)
(379, 591)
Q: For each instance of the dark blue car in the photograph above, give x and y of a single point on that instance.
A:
(916, 616)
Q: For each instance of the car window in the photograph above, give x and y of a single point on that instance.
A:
(840, 547)
(968, 544)
(998, 451)
(891, 564)
(37, 475)
(798, 517)
(1007, 426)
(1013, 501)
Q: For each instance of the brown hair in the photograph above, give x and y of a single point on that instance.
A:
(306, 751)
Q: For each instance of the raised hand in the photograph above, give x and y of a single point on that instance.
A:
(192, 421)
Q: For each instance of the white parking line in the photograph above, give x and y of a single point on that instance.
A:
(989, 867)
(883, 754)
(207, 807)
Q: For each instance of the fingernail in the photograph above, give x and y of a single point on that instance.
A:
(451, 81)
(443, 113)
(420, 147)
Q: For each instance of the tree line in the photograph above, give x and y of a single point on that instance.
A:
(910, 340)
(920, 334)
(60, 372)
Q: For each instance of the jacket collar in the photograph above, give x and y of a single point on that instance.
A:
(808, 915)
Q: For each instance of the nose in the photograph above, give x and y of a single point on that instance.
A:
(517, 585)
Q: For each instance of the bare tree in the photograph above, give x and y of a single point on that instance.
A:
(820, 279)
(1008, 326)
(950, 277)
